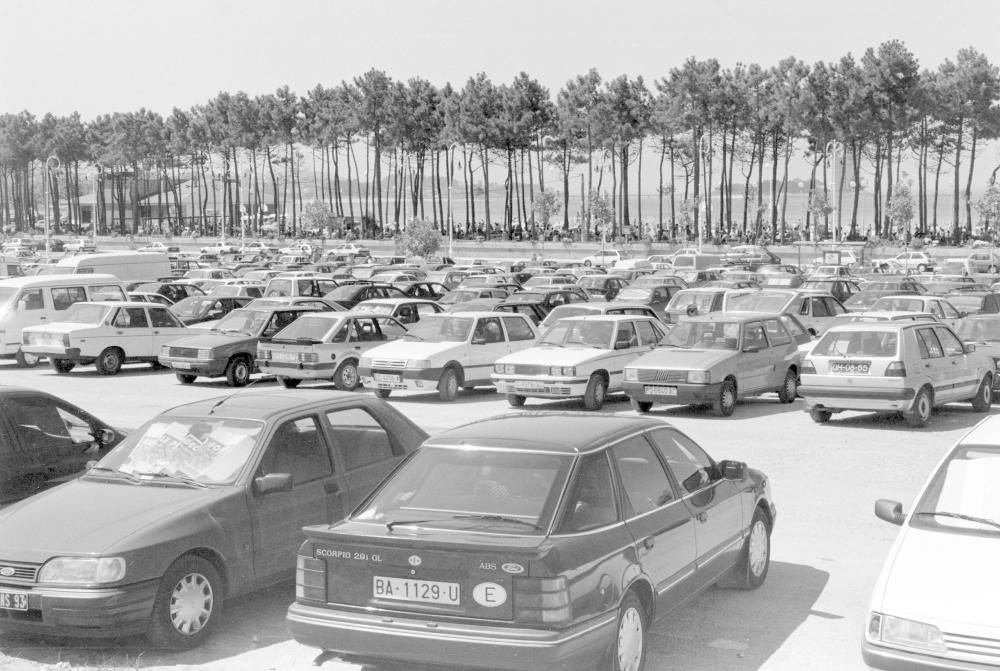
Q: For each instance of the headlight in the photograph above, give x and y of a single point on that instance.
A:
(418, 363)
(632, 374)
(204, 354)
(365, 362)
(563, 371)
(699, 376)
(83, 570)
(503, 368)
(897, 631)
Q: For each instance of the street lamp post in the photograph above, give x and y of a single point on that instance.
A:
(451, 218)
(45, 194)
(832, 144)
(98, 184)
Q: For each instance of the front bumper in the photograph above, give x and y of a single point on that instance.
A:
(679, 394)
(202, 367)
(480, 646)
(541, 387)
(893, 659)
(86, 613)
(420, 379)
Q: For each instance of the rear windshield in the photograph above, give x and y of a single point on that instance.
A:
(857, 344)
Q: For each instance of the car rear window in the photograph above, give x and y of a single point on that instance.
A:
(858, 344)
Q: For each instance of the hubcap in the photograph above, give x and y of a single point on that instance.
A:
(242, 372)
(110, 359)
(599, 391)
(758, 548)
(790, 386)
(191, 604)
(630, 641)
(728, 397)
(349, 376)
(30, 359)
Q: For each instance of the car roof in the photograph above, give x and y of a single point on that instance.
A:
(262, 403)
(558, 432)
(732, 315)
(607, 318)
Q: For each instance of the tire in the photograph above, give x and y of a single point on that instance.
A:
(188, 604)
(725, 402)
(61, 366)
(755, 558)
(156, 365)
(983, 399)
(921, 267)
(289, 382)
(820, 416)
(185, 378)
(109, 362)
(346, 378)
(588, 263)
(382, 393)
(920, 414)
(26, 360)
(629, 645)
(515, 400)
(789, 388)
(641, 407)
(597, 391)
(238, 372)
(448, 385)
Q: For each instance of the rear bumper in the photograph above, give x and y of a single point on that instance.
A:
(893, 399)
(369, 636)
(51, 351)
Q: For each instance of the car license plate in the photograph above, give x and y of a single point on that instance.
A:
(285, 356)
(661, 391)
(183, 365)
(424, 591)
(850, 367)
(385, 377)
(529, 386)
(13, 601)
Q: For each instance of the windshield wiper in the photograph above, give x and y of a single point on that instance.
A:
(114, 471)
(394, 523)
(554, 344)
(234, 331)
(960, 516)
(496, 518)
(411, 335)
(176, 478)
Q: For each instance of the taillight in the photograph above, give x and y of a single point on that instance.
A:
(310, 578)
(896, 369)
(807, 367)
(542, 601)
(65, 340)
(263, 353)
(308, 357)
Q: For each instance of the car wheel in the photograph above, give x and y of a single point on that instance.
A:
(983, 399)
(26, 360)
(725, 401)
(588, 263)
(921, 267)
(185, 378)
(515, 400)
(382, 393)
(156, 365)
(448, 385)
(597, 390)
(61, 365)
(920, 414)
(755, 559)
(188, 604)
(790, 387)
(238, 372)
(628, 651)
(109, 362)
(820, 416)
(289, 382)
(346, 378)
(642, 407)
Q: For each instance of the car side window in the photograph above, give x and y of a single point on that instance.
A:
(753, 336)
(106, 292)
(776, 332)
(424, 309)
(32, 299)
(64, 297)
(626, 335)
(518, 329)
(134, 318)
(163, 318)
(692, 468)
(298, 448)
(928, 344)
(44, 426)
(359, 437)
(591, 502)
(833, 307)
(949, 311)
(949, 341)
(643, 479)
(648, 333)
(819, 308)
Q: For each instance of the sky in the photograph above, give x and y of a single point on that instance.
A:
(104, 56)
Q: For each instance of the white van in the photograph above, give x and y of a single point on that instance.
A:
(41, 299)
(126, 266)
(696, 261)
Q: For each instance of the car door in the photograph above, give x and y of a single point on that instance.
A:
(129, 329)
(487, 344)
(165, 327)
(661, 525)
(298, 447)
(781, 352)
(755, 362)
(933, 363)
(715, 503)
(959, 375)
(365, 452)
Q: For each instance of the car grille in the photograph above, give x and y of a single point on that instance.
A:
(526, 369)
(388, 363)
(21, 572)
(668, 376)
(184, 352)
(973, 648)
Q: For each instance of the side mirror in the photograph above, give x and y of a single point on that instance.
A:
(751, 348)
(890, 511)
(812, 331)
(970, 348)
(733, 470)
(479, 341)
(621, 344)
(106, 436)
(273, 482)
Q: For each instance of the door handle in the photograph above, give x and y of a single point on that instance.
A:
(331, 488)
(702, 516)
(649, 542)
(120, 332)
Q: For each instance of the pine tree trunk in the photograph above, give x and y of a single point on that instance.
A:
(968, 183)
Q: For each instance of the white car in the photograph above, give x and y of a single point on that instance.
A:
(106, 333)
(221, 247)
(934, 604)
(913, 261)
(604, 258)
(578, 357)
(445, 352)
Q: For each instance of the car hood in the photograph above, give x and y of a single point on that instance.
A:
(679, 357)
(409, 348)
(88, 516)
(932, 576)
(210, 340)
(555, 356)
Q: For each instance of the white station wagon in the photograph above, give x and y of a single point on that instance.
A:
(581, 357)
(446, 352)
(107, 333)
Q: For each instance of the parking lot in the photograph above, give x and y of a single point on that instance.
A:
(827, 544)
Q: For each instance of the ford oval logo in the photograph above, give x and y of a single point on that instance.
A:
(414, 560)
(513, 568)
(7, 571)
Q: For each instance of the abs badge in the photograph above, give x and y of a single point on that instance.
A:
(414, 560)
(513, 568)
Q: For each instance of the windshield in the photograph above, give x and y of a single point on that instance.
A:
(193, 306)
(704, 335)
(962, 496)
(442, 328)
(309, 327)
(85, 313)
(563, 311)
(374, 308)
(898, 305)
(243, 321)
(445, 486)
(634, 294)
(980, 330)
(759, 302)
(580, 332)
(458, 296)
(702, 301)
(210, 450)
(593, 282)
